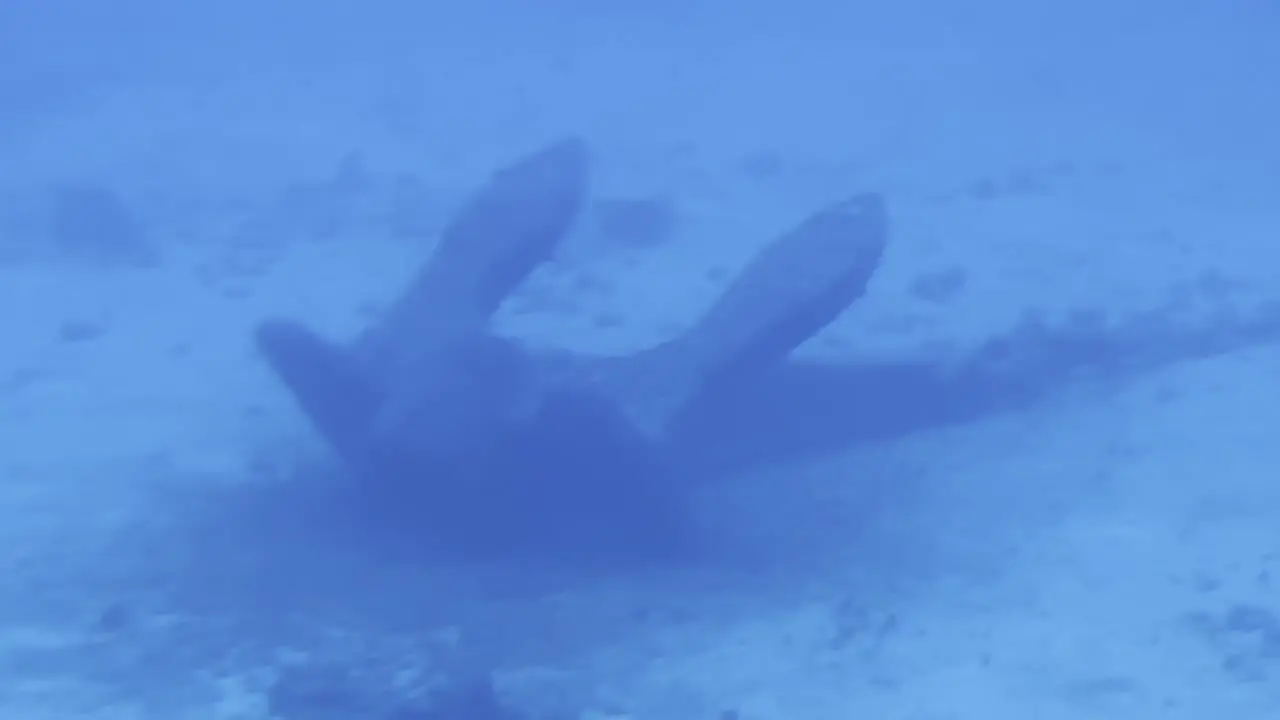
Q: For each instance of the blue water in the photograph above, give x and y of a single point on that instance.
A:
(1026, 474)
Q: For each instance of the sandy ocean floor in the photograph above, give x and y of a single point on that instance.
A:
(1105, 553)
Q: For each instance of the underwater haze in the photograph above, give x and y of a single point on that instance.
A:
(695, 360)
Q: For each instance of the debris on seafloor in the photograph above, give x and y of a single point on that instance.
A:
(330, 692)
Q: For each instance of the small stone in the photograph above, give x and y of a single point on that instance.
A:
(77, 331)
(115, 618)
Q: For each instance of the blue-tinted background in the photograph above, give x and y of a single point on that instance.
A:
(1083, 198)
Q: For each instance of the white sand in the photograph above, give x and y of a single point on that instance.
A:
(1072, 545)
